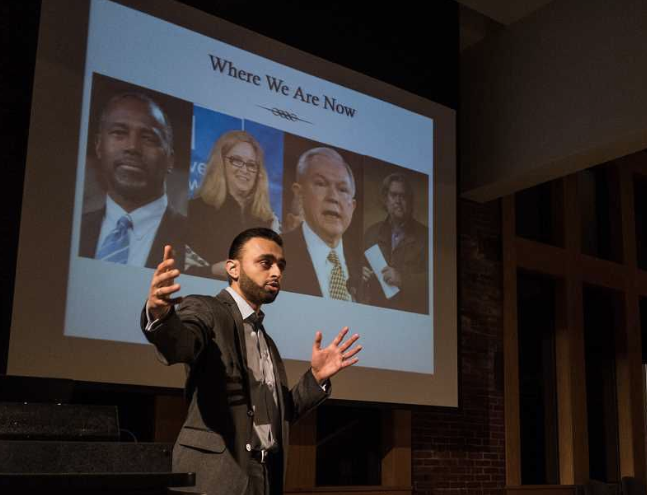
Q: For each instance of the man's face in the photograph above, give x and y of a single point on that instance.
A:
(133, 153)
(260, 270)
(326, 194)
(396, 201)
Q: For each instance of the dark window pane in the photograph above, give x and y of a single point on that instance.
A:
(602, 316)
(537, 383)
(598, 195)
(640, 208)
(349, 443)
(643, 327)
(538, 212)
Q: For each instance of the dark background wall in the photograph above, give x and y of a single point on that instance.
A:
(453, 450)
(461, 451)
(18, 33)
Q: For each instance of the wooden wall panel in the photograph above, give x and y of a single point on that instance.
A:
(537, 257)
(170, 411)
(302, 459)
(572, 271)
(396, 458)
(510, 346)
(356, 490)
(542, 490)
(629, 370)
(573, 361)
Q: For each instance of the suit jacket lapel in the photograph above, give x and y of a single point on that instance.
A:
(280, 378)
(306, 270)
(239, 330)
(90, 230)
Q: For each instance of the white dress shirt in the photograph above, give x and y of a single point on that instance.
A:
(146, 220)
(319, 252)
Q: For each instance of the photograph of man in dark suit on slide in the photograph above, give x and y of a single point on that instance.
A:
(135, 154)
(404, 244)
(325, 262)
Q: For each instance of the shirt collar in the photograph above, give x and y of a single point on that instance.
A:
(144, 218)
(243, 306)
(317, 245)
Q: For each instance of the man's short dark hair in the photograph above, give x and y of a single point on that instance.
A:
(241, 239)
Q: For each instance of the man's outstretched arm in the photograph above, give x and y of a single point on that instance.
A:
(179, 337)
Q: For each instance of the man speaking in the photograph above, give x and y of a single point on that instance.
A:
(236, 433)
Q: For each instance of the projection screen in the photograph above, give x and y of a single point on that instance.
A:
(76, 308)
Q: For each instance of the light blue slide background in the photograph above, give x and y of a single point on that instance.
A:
(134, 47)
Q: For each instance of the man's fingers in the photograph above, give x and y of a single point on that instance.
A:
(317, 343)
(168, 252)
(165, 278)
(340, 336)
(162, 293)
(348, 343)
(168, 290)
(352, 352)
(165, 266)
(349, 362)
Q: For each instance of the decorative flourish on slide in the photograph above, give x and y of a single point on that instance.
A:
(284, 114)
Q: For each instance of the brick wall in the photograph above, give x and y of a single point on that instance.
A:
(461, 451)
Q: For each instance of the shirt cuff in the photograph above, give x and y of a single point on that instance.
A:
(325, 386)
(151, 324)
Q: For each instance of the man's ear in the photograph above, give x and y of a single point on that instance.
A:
(171, 162)
(233, 268)
(296, 190)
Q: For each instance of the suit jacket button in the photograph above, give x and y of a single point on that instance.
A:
(250, 413)
(248, 447)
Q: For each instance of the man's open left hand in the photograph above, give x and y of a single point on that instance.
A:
(328, 361)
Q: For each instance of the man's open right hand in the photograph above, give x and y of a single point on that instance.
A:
(163, 287)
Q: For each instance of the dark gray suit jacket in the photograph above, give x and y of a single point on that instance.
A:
(410, 258)
(206, 334)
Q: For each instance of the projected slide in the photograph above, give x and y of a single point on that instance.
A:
(187, 141)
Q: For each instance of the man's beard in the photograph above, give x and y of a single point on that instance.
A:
(253, 292)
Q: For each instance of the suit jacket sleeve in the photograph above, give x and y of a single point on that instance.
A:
(305, 396)
(181, 335)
